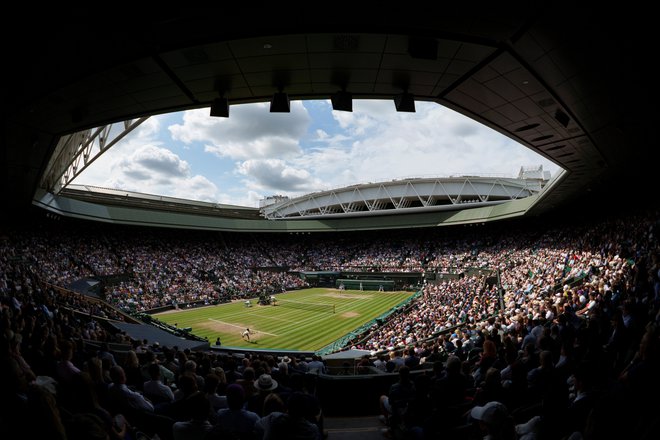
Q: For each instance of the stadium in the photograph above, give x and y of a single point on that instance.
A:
(450, 307)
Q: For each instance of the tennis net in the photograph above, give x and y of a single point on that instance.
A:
(317, 307)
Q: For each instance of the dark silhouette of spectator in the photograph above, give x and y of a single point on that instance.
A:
(234, 421)
(196, 424)
(494, 421)
(491, 389)
(394, 405)
(155, 390)
(293, 424)
(265, 385)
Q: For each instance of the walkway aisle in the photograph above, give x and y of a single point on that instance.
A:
(354, 428)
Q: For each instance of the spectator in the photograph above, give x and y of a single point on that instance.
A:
(234, 421)
(494, 421)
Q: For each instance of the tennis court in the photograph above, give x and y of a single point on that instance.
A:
(306, 319)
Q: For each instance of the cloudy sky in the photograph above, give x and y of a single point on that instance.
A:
(255, 153)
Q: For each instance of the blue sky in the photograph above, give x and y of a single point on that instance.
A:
(255, 153)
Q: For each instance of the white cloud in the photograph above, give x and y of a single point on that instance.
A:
(264, 148)
(375, 143)
(279, 154)
(199, 186)
(149, 128)
(140, 163)
(435, 141)
(336, 139)
(251, 131)
(156, 170)
(355, 123)
(154, 161)
(275, 174)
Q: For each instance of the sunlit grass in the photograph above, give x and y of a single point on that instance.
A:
(282, 327)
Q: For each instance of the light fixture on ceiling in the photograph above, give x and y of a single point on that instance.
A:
(562, 118)
(280, 103)
(220, 107)
(405, 102)
(342, 101)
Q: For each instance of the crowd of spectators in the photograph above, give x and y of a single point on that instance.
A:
(571, 329)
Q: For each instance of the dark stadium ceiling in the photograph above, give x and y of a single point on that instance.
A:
(571, 85)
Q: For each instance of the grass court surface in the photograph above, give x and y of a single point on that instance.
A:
(286, 327)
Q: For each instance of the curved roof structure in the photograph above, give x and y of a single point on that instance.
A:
(404, 196)
(570, 84)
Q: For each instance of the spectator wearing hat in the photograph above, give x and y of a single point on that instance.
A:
(265, 383)
(494, 421)
(265, 386)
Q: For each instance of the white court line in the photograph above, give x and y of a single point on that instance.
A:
(294, 326)
(239, 326)
(276, 318)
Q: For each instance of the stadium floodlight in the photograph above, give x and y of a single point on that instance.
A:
(562, 118)
(220, 108)
(342, 101)
(405, 102)
(280, 103)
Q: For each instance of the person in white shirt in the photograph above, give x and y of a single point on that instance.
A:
(246, 334)
(155, 389)
(316, 365)
(121, 392)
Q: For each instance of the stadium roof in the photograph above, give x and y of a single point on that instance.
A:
(573, 85)
(404, 196)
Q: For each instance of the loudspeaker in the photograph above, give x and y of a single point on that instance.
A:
(342, 101)
(280, 103)
(405, 102)
(220, 108)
